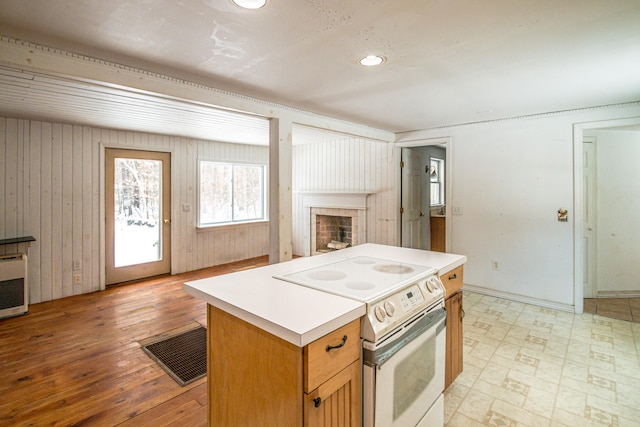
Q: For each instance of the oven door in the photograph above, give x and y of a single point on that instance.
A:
(403, 375)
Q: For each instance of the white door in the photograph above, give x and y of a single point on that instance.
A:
(411, 198)
(138, 209)
(589, 220)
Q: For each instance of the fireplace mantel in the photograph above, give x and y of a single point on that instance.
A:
(335, 199)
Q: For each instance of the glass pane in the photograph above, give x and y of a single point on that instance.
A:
(412, 376)
(247, 192)
(434, 172)
(215, 192)
(435, 193)
(137, 202)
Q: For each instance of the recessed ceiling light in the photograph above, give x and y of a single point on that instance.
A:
(250, 4)
(372, 60)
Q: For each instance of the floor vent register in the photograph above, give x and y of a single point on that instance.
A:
(182, 356)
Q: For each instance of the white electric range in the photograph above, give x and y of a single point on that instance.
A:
(402, 335)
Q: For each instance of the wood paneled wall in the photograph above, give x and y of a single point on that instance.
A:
(50, 189)
(350, 164)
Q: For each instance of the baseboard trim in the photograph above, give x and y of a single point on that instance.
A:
(519, 298)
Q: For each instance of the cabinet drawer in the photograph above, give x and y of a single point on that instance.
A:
(327, 356)
(452, 281)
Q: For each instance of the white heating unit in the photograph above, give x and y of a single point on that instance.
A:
(14, 297)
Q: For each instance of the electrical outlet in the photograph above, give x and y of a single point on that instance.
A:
(495, 265)
(77, 265)
(77, 279)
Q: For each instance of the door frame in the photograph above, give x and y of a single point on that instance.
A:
(578, 202)
(423, 142)
(102, 202)
(590, 287)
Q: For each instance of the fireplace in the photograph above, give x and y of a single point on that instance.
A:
(339, 217)
(334, 228)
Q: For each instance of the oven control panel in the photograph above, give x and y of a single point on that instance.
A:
(411, 298)
(389, 312)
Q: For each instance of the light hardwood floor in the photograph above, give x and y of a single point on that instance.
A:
(78, 361)
(614, 308)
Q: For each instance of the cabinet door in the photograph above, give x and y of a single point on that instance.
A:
(336, 402)
(453, 360)
(438, 234)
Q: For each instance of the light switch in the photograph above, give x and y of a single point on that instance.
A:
(186, 207)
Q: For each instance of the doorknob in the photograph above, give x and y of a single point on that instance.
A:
(421, 213)
(166, 221)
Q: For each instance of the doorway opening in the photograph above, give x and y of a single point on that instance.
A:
(607, 236)
(137, 214)
(425, 225)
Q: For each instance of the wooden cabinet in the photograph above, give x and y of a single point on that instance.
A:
(452, 281)
(255, 378)
(453, 361)
(438, 233)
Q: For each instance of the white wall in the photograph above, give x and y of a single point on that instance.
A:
(350, 164)
(618, 204)
(50, 189)
(509, 178)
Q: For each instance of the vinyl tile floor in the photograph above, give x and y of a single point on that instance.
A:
(526, 365)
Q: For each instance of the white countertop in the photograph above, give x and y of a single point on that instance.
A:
(295, 313)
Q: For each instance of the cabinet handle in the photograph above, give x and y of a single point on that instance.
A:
(462, 313)
(317, 401)
(455, 276)
(331, 347)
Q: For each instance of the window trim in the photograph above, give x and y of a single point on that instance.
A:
(265, 194)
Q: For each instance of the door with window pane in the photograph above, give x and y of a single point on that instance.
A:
(138, 206)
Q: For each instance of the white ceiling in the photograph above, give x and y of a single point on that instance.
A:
(448, 61)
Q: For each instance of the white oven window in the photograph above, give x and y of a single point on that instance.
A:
(402, 379)
(412, 376)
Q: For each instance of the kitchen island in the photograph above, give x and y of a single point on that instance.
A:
(267, 363)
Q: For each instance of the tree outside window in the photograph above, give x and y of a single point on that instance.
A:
(231, 192)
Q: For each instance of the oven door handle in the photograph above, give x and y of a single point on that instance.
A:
(380, 355)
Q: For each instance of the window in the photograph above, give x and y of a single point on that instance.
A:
(436, 174)
(230, 192)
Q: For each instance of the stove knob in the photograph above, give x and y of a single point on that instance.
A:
(380, 313)
(389, 308)
(429, 284)
(437, 284)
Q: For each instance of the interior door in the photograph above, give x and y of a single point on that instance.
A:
(411, 198)
(138, 221)
(589, 221)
